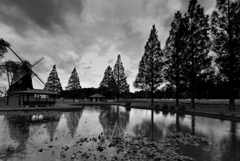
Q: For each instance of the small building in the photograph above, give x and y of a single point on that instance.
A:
(97, 98)
(36, 97)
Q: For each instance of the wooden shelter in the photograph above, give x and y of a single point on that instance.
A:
(97, 98)
(36, 97)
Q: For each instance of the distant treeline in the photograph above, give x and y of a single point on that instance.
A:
(204, 91)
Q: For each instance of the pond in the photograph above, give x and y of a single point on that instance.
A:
(70, 135)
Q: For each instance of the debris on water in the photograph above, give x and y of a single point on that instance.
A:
(73, 156)
(40, 150)
(100, 148)
(66, 148)
(62, 154)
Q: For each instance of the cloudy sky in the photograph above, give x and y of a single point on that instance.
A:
(86, 34)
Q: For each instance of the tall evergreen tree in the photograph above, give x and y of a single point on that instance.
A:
(225, 21)
(108, 82)
(53, 82)
(120, 77)
(151, 65)
(140, 81)
(174, 54)
(197, 46)
(73, 82)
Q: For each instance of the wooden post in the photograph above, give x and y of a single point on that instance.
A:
(19, 100)
(23, 98)
(28, 99)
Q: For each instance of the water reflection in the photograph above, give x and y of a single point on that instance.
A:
(112, 116)
(23, 134)
(19, 132)
(230, 144)
(52, 123)
(149, 128)
(72, 121)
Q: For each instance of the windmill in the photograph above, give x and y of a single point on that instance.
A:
(21, 79)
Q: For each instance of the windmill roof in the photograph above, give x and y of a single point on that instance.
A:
(36, 91)
(97, 95)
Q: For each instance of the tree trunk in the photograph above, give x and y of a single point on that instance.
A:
(231, 58)
(192, 79)
(7, 103)
(152, 101)
(177, 79)
(177, 98)
(231, 100)
(192, 97)
(177, 92)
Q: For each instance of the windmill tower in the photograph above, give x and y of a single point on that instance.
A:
(22, 77)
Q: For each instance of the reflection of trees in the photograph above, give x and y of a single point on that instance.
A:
(73, 120)
(156, 130)
(178, 127)
(53, 119)
(230, 145)
(18, 131)
(113, 119)
(149, 128)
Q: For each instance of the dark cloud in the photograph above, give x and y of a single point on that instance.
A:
(49, 15)
(67, 33)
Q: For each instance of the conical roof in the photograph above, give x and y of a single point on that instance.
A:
(97, 95)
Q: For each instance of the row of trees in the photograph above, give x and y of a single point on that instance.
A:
(113, 84)
(53, 82)
(185, 61)
(114, 81)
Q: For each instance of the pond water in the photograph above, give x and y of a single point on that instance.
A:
(43, 135)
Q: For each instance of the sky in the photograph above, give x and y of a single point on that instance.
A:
(86, 34)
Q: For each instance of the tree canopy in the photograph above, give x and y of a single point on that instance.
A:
(150, 67)
(197, 46)
(53, 82)
(73, 82)
(108, 85)
(120, 77)
(174, 54)
(225, 31)
(3, 47)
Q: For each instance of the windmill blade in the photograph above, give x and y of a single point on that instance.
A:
(16, 54)
(38, 77)
(36, 62)
(18, 76)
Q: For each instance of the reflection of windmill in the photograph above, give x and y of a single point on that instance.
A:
(22, 77)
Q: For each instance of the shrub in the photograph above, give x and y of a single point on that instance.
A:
(221, 113)
(182, 108)
(157, 111)
(128, 108)
(164, 106)
(157, 106)
(172, 107)
(128, 104)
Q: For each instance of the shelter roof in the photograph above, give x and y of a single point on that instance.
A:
(97, 95)
(36, 91)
